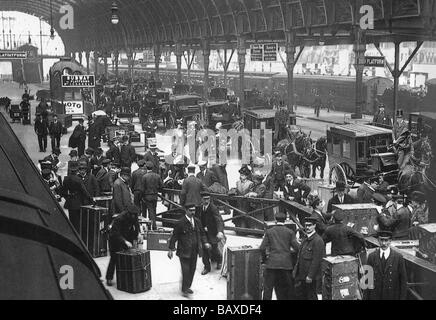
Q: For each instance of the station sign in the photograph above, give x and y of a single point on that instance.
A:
(78, 81)
(264, 52)
(73, 107)
(13, 54)
(375, 62)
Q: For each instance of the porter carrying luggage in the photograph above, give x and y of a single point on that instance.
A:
(92, 230)
(133, 270)
(244, 280)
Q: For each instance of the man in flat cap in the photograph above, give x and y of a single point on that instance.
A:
(279, 170)
(123, 233)
(206, 175)
(137, 187)
(96, 161)
(390, 278)
(104, 179)
(191, 239)
(277, 257)
(151, 185)
(122, 194)
(345, 240)
(89, 180)
(307, 271)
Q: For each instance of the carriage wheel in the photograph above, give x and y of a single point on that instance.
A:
(349, 173)
(337, 173)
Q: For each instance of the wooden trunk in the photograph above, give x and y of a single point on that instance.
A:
(427, 241)
(361, 217)
(158, 240)
(133, 270)
(244, 280)
(92, 230)
(340, 278)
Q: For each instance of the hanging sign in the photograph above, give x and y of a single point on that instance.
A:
(73, 107)
(264, 52)
(256, 52)
(78, 81)
(375, 62)
(13, 55)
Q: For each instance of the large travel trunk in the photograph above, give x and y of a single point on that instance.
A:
(92, 229)
(427, 240)
(158, 240)
(340, 279)
(15, 113)
(133, 270)
(361, 217)
(244, 281)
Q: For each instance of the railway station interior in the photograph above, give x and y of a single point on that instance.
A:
(218, 150)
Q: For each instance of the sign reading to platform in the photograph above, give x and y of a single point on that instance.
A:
(264, 52)
(375, 62)
(13, 55)
(73, 107)
(78, 81)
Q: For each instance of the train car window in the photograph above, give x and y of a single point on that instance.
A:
(361, 151)
(346, 149)
(336, 146)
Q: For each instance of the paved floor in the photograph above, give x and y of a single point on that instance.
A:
(165, 273)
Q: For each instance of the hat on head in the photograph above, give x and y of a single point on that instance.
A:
(125, 171)
(133, 209)
(74, 167)
(125, 138)
(149, 165)
(202, 163)
(418, 196)
(340, 186)
(189, 206)
(384, 234)
(339, 215)
(81, 120)
(46, 172)
(191, 169)
(105, 162)
(56, 151)
(381, 105)
(378, 197)
(281, 217)
(245, 171)
(400, 113)
(90, 151)
(205, 194)
(73, 153)
(278, 153)
(153, 146)
(141, 163)
(116, 164)
(312, 220)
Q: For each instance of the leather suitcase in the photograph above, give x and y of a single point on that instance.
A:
(340, 279)
(427, 241)
(361, 217)
(244, 281)
(158, 240)
(133, 270)
(92, 230)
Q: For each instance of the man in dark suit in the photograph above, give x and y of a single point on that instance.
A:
(127, 154)
(53, 159)
(345, 240)
(390, 278)
(399, 223)
(340, 197)
(41, 130)
(191, 189)
(213, 225)
(151, 156)
(78, 138)
(220, 172)
(55, 130)
(89, 180)
(295, 190)
(103, 178)
(367, 188)
(123, 233)
(136, 186)
(190, 237)
(96, 161)
(76, 196)
(307, 272)
(151, 184)
(206, 175)
(114, 152)
(277, 257)
(122, 194)
(279, 170)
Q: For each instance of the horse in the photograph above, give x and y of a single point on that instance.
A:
(318, 157)
(297, 152)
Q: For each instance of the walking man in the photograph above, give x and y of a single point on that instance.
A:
(41, 130)
(151, 185)
(55, 131)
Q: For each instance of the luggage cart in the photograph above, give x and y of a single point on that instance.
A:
(15, 113)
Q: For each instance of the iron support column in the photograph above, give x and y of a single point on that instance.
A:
(241, 62)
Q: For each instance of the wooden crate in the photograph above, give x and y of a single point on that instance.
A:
(340, 278)
(427, 240)
(361, 217)
(133, 270)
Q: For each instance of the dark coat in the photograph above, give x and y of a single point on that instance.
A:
(312, 251)
(278, 172)
(208, 177)
(298, 190)
(364, 194)
(191, 191)
(95, 164)
(221, 174)
(91, 185)
(390, 283)
(335, 200)
(153, 158)
(127, 156)
(104, 180)
(55, 129)
(399, 223)
(75, 193)
(122, 198)
(114, 154)
(345, 240)
(190, 241)
(54, 162)
(94, 136)
(151, 185)
(321, 223)
(212, 220)
(136, 181)
(276, 247)
(41, 127)
(123, 229)
(78, 137)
